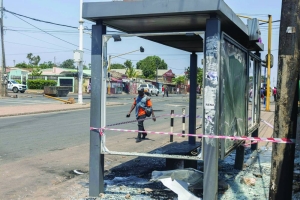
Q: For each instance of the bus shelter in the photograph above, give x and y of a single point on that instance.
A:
(231, 71)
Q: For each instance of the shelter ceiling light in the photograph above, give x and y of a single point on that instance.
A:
(117, 38)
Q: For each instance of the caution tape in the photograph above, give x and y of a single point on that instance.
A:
(245, 138)
(270, 125)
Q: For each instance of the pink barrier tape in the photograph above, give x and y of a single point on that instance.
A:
(258, 139)
(127, 122)
(98, 129)
(270, 125)
(249, 144)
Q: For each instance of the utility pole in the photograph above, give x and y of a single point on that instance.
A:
(268, 92)
(157, 72)
(285, 121)
(3, 69)
(80, 67)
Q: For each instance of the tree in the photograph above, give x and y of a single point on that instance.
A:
(68, 64)
(85, 67)
(33, 60)
(22, 65)
(130, 70)
(36, 72)
(179, 80)
(149, 65)
(47, 65)
(117, 66)
(128, 64)
(199, 74)
(132, 73)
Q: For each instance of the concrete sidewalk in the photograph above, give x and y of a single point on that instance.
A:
(45, 108)
(265, 130)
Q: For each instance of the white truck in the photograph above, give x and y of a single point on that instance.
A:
(14, 86)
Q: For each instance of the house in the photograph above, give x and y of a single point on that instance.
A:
(17, 74)
(163, 75)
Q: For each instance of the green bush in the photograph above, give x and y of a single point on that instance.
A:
(40, 83)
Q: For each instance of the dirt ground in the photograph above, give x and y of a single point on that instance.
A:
(52, 177)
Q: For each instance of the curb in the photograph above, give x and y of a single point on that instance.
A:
(41, 112)
(58, 110)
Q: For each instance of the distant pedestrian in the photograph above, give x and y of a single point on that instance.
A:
(163, 91)
(177, 90)
(167, 91)
(262, 96)
(250, 95)
(89, 88)
(265, 96)
(127, 88)
(275, 93)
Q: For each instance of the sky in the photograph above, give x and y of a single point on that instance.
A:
(23, 36)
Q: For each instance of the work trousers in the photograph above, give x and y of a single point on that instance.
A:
(141, 125)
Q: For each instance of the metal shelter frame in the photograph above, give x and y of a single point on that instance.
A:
(164, 16)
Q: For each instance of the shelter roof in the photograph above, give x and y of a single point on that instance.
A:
(162, 16)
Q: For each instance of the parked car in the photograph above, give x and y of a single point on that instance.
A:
(14, 86)
(150, 89)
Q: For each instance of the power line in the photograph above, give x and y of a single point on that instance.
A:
(268, 22)
(32, 45)
(38, 52)
(36, 31)
(70, 34)
(47, 32)
(39, 19)
(41, 40)
(265, 15)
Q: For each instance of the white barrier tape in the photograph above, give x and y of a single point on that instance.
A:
(270, 125)
(258, 139)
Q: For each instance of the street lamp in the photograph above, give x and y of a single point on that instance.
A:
(141, 49)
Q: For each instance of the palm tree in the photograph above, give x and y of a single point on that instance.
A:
(131, 72)
(29, 57)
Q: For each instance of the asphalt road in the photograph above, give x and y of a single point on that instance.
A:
(32, 99)
(32, 135)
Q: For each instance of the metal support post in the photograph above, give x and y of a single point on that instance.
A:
(256, 99)
(193, 97)
(183, 121)
(172, 125)
(211, 108)
(96, 168)
(239, 157)
(254, 145)
(109, 75)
